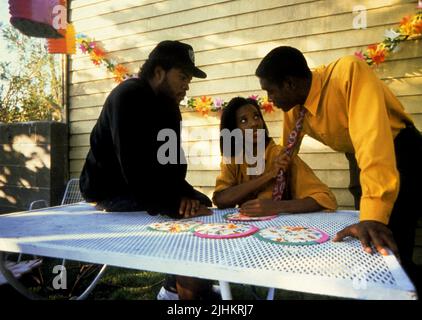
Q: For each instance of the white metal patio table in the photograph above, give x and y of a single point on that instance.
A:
(80, 232)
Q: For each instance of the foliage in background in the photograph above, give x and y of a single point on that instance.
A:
(30, 86)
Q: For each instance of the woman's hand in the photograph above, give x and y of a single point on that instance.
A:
(281, 162)
(260, 207)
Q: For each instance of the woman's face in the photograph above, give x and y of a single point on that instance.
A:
(248, 117)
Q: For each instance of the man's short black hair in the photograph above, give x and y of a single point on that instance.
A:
(283, 62)
(228, 120)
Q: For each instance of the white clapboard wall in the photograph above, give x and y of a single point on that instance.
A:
(230, 38)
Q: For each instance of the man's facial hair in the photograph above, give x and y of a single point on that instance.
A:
(165, 92)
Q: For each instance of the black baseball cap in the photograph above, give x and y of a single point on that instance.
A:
(178, 52)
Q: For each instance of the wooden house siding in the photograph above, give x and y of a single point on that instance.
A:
(230, 38)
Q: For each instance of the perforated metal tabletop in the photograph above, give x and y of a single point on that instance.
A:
(79, 232)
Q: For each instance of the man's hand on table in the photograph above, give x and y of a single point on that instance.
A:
(370, 232)
(190, 208)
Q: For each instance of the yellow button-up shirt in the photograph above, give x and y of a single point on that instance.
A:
(351, 110)
(302, 182)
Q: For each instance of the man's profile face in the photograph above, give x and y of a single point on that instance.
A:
(283, 95)
(175, 84)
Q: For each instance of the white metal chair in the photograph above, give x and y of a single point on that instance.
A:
(72, 194)
(14, 270)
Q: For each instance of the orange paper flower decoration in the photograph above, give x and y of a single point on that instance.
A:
(409, 27)
(203, 105)
(267, 105)
(120, 73)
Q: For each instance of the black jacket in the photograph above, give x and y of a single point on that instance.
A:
(123, 161)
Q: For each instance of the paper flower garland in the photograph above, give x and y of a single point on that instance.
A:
(98, 57)
(410, 27)
(205, 104)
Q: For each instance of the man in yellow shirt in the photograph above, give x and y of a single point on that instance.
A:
(351, 110)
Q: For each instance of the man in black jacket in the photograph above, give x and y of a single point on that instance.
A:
(123, 170)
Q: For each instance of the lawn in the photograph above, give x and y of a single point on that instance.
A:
(128, 284)
(125, 284)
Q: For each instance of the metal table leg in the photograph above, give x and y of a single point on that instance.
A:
(225, 290)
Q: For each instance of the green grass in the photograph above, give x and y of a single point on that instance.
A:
(120, 283)
(128, 284)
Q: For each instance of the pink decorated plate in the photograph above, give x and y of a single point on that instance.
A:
(174, 226)
(224, 230)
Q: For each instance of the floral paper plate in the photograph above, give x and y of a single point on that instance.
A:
(237, 216)
(174, 226)
(224, 230)
(292, 235)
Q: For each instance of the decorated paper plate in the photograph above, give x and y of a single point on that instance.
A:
(292, 235)
(174, 226)
(237, 216)
(224, 230)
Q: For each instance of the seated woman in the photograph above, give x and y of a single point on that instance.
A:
(253, 193)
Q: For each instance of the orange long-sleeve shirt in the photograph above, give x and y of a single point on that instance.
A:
(302, 181)
(351, 110)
